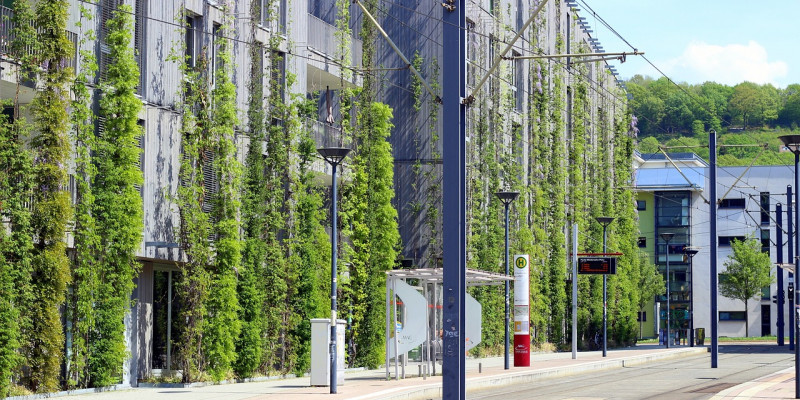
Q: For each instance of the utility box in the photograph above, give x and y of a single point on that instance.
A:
(320, 351)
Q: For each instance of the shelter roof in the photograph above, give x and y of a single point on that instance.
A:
(436, 275)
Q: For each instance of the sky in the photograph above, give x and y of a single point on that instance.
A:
(694, 41)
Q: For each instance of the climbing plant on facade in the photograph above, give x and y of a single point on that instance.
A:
(191, 199)
(117, 205)
(223, 325)
(81, 302)
(43, 339)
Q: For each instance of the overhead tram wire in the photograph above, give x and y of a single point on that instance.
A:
(250, 43)
(690, 95)
(366, 71)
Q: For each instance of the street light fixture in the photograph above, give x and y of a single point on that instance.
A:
(605, 221)
(792, 142)
(667, 236)
(506, 198)
(691, 252)
(334, 157)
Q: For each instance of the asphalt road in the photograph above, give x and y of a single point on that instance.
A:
(686, 378)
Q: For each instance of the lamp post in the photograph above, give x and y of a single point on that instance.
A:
(605, 221)
(792, 142)
(691, 252)
(334, 157)
(667, 236)
(506, 198)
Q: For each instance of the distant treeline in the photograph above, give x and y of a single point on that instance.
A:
(664, 109)
(744, 114)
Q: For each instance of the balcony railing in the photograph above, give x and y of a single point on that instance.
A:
(322, 37)
(7, 38)
(324, 134)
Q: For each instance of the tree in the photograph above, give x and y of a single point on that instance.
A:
(745, 101)
(747, 271)
(648, 145)
(650, 284)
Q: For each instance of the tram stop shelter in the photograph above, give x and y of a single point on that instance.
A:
(414, 315)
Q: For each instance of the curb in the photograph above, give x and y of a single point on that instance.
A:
(434, 390)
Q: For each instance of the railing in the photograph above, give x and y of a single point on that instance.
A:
(324, 134)
(322, 37)
(6, 14)
(6, 36)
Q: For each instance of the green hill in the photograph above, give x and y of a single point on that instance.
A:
(747, 117)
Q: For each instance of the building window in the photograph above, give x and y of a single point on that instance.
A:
(262, 12)
(472, 43)
(641, 205)
(641, 316)
(166, 322)
(216, 37)
(726, 240)
(642, 242)
(282, 8)
(139, 42)
(731, 203)
(517, 83)
(765, 241)
(279, 72)
(672, 209)
(764, 208)
(193, 37)
(732, 315)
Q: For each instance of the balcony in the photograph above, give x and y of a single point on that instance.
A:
(324, 135)
(322, 70)
(9, 73)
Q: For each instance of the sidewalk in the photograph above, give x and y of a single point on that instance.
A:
(780, 385)
(372, 385)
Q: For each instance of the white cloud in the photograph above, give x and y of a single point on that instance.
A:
(730, 64)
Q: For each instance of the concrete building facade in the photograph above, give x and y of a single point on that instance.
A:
(306, 36)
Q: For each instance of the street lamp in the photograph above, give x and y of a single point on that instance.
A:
(667, 236)
(691, 252)
(605, 221)
(506, 198)
(792, 142)
(334, 157)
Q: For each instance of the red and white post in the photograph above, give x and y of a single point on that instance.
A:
(522, 333)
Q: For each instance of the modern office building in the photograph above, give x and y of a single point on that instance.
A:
(672, 196)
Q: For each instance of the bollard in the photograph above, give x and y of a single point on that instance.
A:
(480, 368)
(419, 370)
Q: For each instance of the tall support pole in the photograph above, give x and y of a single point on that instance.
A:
(334, 256)
(779, 271)
(790, 253)
(691, 252)
(605, 221)
(505, 352)
(575, 291)
(453, 199)
(792, 142)
(388, 327)
(334, 157)
(796, 326)
(712, 177)
(506, 197)
(605, 302)
(667, 236)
